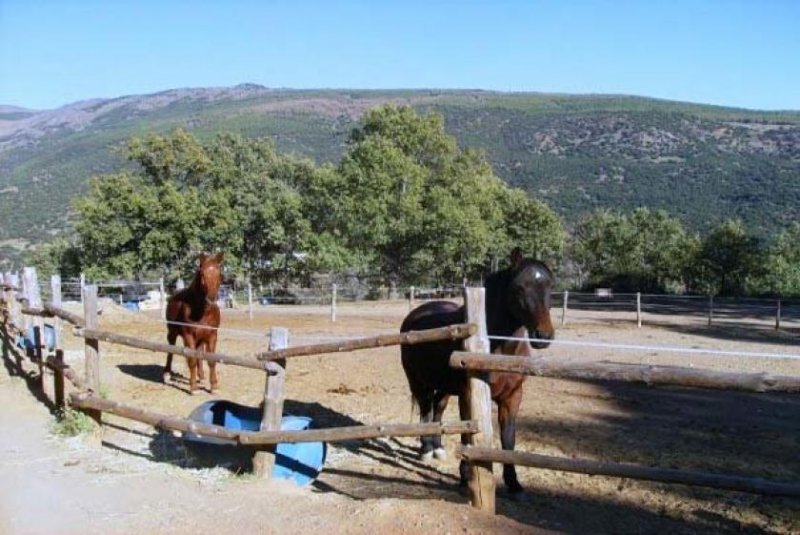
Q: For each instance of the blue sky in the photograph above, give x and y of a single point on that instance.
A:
(734, 53)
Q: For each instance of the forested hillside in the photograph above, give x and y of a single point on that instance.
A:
(576, 153)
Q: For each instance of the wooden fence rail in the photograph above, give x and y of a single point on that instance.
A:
(129, 341)
(261, 438)
(632, 471)
(452, 332)
(613, 371)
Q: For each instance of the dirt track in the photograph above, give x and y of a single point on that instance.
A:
(139, 480)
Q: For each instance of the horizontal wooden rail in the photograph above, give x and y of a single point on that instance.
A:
(613, 371)
(362, 432)
(452, 332)
(69, 317)
(49, 310)
(631, 471)
(68, 372)
(253, 438)
(246, 362)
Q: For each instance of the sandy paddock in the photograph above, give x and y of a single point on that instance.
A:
(146, 482)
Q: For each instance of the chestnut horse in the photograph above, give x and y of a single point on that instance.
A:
(193, 314)
(518, 303)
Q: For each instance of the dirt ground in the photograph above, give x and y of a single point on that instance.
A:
(129, 478)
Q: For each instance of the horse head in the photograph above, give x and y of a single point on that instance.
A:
(529, 297)
(210, 275)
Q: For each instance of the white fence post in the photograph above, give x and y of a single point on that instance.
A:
(564, 308)
(55, 290)
(162, 298)
(778, 315)
(639, 309)
(411, 298)
(333, 302)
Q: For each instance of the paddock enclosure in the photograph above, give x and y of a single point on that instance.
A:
(740, 433)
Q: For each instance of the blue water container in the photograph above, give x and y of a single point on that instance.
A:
(300, 462)
(27, 342)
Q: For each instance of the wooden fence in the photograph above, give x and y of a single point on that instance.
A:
(476, 407)
(85, 396)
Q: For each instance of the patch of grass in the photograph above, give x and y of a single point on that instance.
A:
(71, 423)
(103, 392)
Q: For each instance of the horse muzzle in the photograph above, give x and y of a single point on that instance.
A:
(539, 338)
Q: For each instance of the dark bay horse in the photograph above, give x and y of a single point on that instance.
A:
(518, 303)
(193, 314)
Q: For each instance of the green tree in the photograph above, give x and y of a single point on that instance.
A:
(782, 272)
(727, 261)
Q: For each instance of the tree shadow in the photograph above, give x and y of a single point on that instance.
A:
(737, 331)
(736, 433)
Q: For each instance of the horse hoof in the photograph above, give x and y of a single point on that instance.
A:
(166, 377)
(440, 454)
(426, 457)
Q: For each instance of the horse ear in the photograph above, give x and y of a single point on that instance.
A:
(516, 258)
(202, 258)
(220, 257)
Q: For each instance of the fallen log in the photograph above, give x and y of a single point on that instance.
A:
(631, 471)
(613, 371)
(452, 332)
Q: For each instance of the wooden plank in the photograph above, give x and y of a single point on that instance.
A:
(58, 378)
(129, 341)
(452, 332)
(632, 471)
(250, 438)
(478, 403)
(649, 374)
(91, 346)
(54, 310)
(264, 460)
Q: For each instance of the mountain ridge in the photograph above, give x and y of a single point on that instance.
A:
(575, 152)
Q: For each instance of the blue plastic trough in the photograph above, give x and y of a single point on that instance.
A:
(300, 462)
(27, 341)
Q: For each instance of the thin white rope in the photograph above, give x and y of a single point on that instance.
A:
(631, 347)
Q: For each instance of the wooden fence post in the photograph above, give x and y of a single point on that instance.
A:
(639, 309)
(564, 308)
(58, 380)
(162, 298)
(478, 404)
(333, 302)
(710, 309)
(264, 460)
(411, 298)
(91, 346)
(778, 315)
(55, 290)
(83, 285)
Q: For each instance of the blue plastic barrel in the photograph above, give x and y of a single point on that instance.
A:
(27, 342)
(300, 462)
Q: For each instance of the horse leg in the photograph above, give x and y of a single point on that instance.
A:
(507, 410)
(167, 373)
(190, 342)
(439, 405)
(425, 402)
(211, 347)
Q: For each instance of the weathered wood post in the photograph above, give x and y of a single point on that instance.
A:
(162, 298)
(710, 309)
(58, 380)
(83, 285)
(264, 460)
(564, 308)
(639, 309)
(478, 404)
(38, 356)
(778, 315)
(55, 290)
(91, 346)
(333, 302)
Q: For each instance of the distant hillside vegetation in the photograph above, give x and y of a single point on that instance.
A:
(576, 153)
